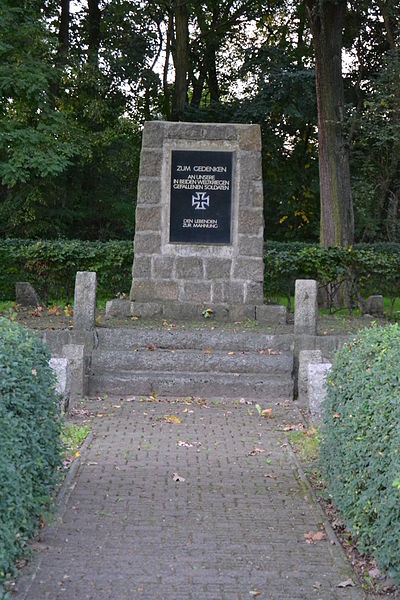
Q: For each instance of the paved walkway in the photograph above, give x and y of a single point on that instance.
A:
(232, 529)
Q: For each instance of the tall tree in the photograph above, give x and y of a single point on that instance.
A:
(327, 19)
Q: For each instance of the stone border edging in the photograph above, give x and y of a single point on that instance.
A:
(60, 507)
(335, 546)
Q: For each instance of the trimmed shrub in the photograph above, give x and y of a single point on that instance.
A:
(30, 444)
(360, 448)
(51, 265)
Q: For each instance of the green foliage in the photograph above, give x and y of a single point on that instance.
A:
(360, 447)
(364, 269)
(51, 266)
(29, 440)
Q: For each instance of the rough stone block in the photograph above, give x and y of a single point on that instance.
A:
(141, 266)
(251, 245)
(254, 292)
(196, 291)
(163, 267)
(251, 221)
(200, 131)
(146, 290)
(147, 243)
(189, 267)
(153, 134)
(306, 357)
(234, 292)
(85, 301)
(26, 295)
(306, 307)
(79, 365)
(150, 163)
(148, 218)
(250, 166)
(317, 375)
(242, 312)
(257, 194)
(186, 311)
(250, 138)
(146, 310)
(275, 314)
(249, 269)
(62, 372)
(118, 308)
(375, 306)
(218, 268)
(149, 190)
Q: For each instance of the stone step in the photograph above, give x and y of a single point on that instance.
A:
(191, 361)
(197, 339)
(206, 385)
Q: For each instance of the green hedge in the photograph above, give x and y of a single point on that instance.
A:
(362, 270)
(360, 448)
(51, 266)
(30, 445)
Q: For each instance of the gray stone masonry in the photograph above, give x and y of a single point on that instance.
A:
(26, 295)
(232, 528)
(85, 301)
(118, 308)
(305, 358)
(174, 273)
(305, 307)
(317, 375)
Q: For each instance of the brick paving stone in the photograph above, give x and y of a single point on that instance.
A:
(236, 524)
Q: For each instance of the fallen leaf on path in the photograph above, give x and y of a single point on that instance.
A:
(231, 353)
(314, 536)
(256, 451)
(207, 351)
(172, 419)
(183, 444)
(254, 593)
(267, 413)
(271, 475)
(151, 347)
(294, 427)
(317, 585)
(177, 478)
(347, 583)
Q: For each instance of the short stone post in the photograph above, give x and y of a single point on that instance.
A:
(79, 366)
(305, 307)
(317, 374)
(305, 358)
(85, 301)
(62, 370)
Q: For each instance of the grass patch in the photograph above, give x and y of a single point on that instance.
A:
(73, 437)
(305, 443)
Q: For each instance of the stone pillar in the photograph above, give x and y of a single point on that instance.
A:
(194, 267)
(85, 301)
(305, 307)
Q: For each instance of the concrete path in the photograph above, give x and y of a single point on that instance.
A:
(211, 507)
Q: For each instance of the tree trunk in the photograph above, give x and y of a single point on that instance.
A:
(170, 33)
(180, 56)
(63, 47)
(94, 20)
(337, 220)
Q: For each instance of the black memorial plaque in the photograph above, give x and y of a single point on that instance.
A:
(201, 197)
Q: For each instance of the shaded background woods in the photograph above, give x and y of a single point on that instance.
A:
(78, 79)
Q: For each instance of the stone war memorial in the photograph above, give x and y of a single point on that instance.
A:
(199, 223)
